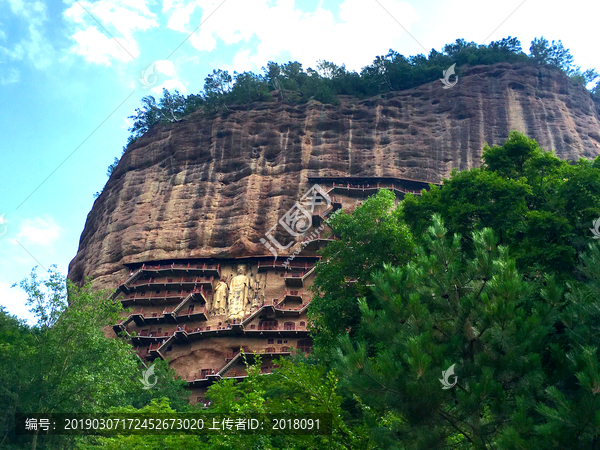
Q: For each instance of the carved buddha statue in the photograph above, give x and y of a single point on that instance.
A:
(238, 295)
(219, 298)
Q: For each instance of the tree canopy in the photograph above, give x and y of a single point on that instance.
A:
(65, 364)
(538, 205)
(500, 283)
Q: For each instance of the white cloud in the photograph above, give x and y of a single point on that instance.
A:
(121, 18)
(242, 62)
(171, 85)
(180, 14)
(40, 231)
(34, 46)
(97, 48)
(165, 67)
(127, 123)
(362, 30)
(13, 299)
(162, 72)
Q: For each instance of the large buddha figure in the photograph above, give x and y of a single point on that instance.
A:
(238, 295)
(219, 298)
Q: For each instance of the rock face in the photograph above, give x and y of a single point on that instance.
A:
(213, 186)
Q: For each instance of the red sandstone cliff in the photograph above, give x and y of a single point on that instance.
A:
(212, 186)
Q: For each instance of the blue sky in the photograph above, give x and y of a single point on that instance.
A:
(70, 76)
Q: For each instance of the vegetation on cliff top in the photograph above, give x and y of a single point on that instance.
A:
(392, 72)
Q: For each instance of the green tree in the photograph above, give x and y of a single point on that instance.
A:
(146, 442)
(216, 86)
(538, 205)
(524, 347)
(145, 118)
(296, 387)
(368, 238)
(172, 106)
(585, 78)
(17, 344)
(507, 45)
(459, 46)
(47, 299)
(554, 54)
(66, 364)
(444, 309)
(319, 88)
(112, 167)
(249, 88)
(596, 89)
(217, 83)
(389, 72)
(571, 415)
(330, 70)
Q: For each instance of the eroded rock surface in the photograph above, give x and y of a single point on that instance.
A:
(213, 186)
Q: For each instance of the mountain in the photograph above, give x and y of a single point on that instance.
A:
(211, 186)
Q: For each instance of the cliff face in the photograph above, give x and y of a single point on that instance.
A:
(213, 186)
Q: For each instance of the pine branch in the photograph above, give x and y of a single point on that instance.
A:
(453, 425)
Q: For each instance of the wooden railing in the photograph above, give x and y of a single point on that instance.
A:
(230, 355)
(179, 280)
(156, 334)
(150, 295)
(298, 265)
(188, 312)
(177, 294)
(188, 298)
(266, 327)
(204, 267)
(291, 308)
(204, 373)
(364, 187)
(275, 350)
(198, 309)
(298, 274)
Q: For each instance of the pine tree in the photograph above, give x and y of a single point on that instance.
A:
(444, 310)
